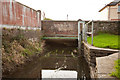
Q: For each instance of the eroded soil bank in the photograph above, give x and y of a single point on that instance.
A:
(19, 47)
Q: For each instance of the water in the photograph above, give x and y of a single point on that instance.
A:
(61, 60)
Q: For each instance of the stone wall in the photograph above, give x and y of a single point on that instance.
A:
(91, 59)
(60, 28)
(90, 53)
(65, 28)
(105, 26)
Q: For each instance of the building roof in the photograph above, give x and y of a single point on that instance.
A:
(113, 3)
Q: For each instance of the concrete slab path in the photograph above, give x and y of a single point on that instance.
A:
(105, 65)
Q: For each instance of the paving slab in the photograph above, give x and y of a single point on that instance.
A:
(105, 65)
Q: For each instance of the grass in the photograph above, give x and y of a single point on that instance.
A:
(27, 51)
(117, 69)
(105, 40)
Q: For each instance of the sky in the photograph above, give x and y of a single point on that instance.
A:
(76, 9)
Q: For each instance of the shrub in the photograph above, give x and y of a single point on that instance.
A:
(47, 19)
(117, 69)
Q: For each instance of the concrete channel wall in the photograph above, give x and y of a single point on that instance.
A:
(90, 53)
(16, 14)
(90, 59)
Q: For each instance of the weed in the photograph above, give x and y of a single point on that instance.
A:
(27, 51)
(117, 69)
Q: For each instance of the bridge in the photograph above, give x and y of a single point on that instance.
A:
(66, 30)
(60, 29)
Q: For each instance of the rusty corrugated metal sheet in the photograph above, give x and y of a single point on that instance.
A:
(17, 14)
(0, 12)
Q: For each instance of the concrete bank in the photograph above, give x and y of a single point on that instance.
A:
(105, 65)
(99, 59)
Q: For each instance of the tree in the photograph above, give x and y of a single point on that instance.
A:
(47, 19)
(44, 18)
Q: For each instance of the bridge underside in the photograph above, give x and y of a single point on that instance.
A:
(62, 42)
(61, 39)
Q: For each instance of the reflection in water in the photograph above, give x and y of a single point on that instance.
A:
(59, 56)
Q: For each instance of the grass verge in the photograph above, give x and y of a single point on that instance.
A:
(105, 40)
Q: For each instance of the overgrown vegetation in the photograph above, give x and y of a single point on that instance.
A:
(29, 46)
(17, 48)
(117, 69)
(105, 40)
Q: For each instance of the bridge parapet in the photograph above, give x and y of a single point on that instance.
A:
(60, 28)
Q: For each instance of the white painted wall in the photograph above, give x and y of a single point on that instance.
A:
(104, 14)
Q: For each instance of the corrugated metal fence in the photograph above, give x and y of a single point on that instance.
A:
(16, 14)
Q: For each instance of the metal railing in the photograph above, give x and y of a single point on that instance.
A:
(83, 32)
(86, 32)
(80, 28)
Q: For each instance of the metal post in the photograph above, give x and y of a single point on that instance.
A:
(92, 33)
(83, 32)
(79, 37)
(79, 75)
(86, 32)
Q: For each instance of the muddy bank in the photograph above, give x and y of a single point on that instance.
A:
(19, 47)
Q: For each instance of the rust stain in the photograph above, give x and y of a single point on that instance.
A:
(17, 14)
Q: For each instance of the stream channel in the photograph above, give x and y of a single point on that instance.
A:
(60, 61)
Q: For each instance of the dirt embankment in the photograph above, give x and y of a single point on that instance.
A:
(19, 47)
